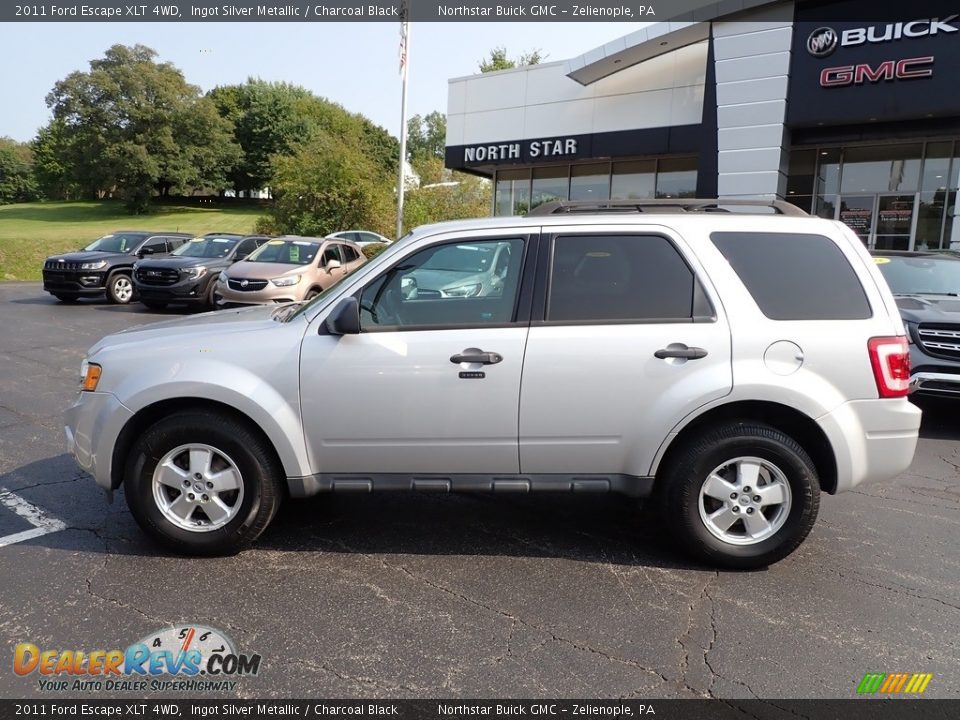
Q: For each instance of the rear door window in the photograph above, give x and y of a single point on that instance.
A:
(795, 276)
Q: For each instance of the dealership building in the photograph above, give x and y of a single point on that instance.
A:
(846, 110)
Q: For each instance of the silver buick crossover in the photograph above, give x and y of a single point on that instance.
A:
(728, 362)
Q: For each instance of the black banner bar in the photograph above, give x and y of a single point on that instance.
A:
(855, 709)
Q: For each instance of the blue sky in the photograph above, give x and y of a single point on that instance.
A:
(354, 64)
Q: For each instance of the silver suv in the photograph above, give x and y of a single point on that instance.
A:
(728, 366)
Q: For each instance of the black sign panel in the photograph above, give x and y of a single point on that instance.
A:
(848, 70)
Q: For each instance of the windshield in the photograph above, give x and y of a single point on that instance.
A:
(116, 243)
(288, 252)
(461, 258)
(207, 247)
(920, 275)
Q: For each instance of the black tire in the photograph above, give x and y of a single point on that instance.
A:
(212, 295)
(154, 304)
(66, 298)
(259, 468)
(120, 289)
(679, 486)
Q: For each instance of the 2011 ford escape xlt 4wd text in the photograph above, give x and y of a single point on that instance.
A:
(728, 365)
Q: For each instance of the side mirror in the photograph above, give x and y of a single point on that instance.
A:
(333, 265)
(146, 250)
(345, 318)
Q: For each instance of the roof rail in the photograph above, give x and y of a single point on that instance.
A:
(706, 205)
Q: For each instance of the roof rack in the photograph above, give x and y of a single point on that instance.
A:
(560, 207)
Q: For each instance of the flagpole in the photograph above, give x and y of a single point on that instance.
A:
(404, 65)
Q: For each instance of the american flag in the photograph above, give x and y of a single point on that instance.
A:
(404, 30)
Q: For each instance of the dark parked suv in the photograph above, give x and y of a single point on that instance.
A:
(189, 275)
(926, 287)
(105, 265)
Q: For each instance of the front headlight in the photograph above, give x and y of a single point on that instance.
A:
(89, 376)
(286, 281)
(193, 272)
(471, 290)
(93, 265)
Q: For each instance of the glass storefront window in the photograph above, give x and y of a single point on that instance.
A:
(881, 168)
(513, 192)
(936, 166)
(800, 175)
(549, 184)
(677, 178)
(634, 180)
(828, 175)
(590, 182)
(930, 220)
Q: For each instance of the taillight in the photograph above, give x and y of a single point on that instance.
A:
(890, 359)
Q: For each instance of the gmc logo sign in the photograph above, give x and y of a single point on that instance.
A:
(907, 69)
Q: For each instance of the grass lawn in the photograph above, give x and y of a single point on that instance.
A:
(31, 232)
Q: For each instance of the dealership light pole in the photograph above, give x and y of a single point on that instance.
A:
(404, 64)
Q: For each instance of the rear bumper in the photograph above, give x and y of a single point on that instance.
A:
(872, 439)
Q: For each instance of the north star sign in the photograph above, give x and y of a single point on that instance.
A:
(520, 150)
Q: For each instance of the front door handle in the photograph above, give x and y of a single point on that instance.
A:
(476, 355)
(678, 350)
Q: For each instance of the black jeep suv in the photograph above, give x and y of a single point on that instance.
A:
(189, 275)
(105, 265)
(926, 287)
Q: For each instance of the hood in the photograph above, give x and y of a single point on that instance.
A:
(203, 328)
(265, 270)
(929, 308)
(88, 256)
(177, 261)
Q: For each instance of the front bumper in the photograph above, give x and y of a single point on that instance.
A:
(92, 425)
(185, 291)
(270, 295)
(871, 439)
(70, 282)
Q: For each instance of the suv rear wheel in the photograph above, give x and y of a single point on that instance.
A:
(740, 495)
(202, 483)
(120, 289)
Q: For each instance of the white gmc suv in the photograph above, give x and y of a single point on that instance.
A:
(729, 366)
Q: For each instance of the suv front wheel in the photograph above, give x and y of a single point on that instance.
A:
(202, 483)
(119, 289)
(740, 495)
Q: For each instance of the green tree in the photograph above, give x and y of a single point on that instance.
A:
(426, 136)
(132, 126)
(17, 181)
(271, 119)
(499, 60)
(460, 197)
(328, 184)
(50, 150)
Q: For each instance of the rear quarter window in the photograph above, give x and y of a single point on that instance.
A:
(795, 276)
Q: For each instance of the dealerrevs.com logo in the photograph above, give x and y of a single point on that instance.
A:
(189, 658)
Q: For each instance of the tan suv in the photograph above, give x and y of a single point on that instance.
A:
(288, 269)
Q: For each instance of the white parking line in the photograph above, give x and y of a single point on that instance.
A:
(42, 522)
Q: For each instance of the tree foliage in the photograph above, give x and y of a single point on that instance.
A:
(426, 136)
(456, 196)
(17, 181)
(499, 60)
(132, 125)
(328, 184)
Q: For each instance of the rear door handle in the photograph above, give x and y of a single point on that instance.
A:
(680, 351)
(476, 355)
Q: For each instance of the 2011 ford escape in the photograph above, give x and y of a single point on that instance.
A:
(729, 366)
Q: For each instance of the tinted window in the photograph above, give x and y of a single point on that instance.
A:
(454, 284)
(349, 254)
(175, 242)
(330, 252)
(794, 276)
(619, 277)
(157, 245)
(246, 247)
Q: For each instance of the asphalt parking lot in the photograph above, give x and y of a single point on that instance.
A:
(461, 596)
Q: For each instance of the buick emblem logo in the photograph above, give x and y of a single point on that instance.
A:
(822, 42)
(244, 283)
